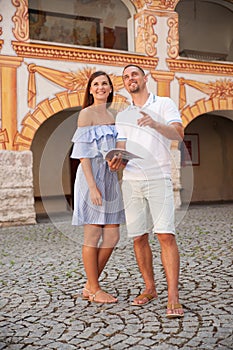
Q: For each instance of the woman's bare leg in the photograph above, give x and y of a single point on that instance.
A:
(95, 258)
(92, 235)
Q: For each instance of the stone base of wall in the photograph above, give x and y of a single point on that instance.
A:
(175, 175)
(16, 189)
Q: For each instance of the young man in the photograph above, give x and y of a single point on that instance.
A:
(146, 128)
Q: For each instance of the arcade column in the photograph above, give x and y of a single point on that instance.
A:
(163, 79)
(8, 81)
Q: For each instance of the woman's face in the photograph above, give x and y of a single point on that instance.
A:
(100, 89)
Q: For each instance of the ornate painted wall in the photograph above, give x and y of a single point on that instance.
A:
(39, 80)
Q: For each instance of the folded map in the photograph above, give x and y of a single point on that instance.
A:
(126, 155)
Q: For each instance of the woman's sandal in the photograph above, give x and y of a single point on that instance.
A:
(174, 311)
(92, 298)
(85, 296)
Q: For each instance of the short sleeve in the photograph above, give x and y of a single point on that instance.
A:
(86, 140)
(172, 114)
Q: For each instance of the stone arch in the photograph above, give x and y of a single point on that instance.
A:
(130, 6)
(158, 4)
(203, 106)
(46, 109)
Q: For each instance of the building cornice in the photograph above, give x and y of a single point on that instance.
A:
(200, 67)
(89, 56)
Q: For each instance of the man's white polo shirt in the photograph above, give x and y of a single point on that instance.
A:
(146, 142)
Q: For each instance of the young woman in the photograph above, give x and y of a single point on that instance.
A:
(98, 204)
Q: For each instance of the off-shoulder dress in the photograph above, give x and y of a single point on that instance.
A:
(92, 142)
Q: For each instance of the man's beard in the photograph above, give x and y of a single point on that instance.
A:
(134, 90)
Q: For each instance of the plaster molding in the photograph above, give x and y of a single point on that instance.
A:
(155, 4)
(199, 67)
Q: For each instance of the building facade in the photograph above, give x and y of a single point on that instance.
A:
(48, 49)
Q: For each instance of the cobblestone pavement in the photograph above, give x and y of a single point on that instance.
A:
(41, 271)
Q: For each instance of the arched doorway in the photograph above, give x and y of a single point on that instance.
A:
(210, 144)
(53, 172)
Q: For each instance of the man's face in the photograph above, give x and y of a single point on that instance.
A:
(134, 80)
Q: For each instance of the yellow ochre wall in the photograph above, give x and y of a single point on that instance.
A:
(42, 86)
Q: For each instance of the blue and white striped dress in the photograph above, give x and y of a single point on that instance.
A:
(91, 142)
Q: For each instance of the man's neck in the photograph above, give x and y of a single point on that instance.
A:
(140, 98)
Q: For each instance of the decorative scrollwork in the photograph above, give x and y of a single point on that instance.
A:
(150, 36)
(146, 37)
(173, 37)
(21, 30)
(0, 27)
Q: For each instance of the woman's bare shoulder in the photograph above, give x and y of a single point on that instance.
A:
(85, 117)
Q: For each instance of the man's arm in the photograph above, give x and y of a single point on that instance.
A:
(173, 131)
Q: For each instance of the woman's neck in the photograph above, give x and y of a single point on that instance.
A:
(99, 107)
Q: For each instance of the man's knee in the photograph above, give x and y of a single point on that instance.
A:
(166, 238)
(140, 240)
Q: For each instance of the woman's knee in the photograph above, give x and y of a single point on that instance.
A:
(110, 237)
(92, 235)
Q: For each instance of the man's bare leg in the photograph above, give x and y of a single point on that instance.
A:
(171, 262)
(144, 259)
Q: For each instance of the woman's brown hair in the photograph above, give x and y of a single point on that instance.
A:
(88, 98)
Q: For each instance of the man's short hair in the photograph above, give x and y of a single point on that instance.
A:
(134, 65)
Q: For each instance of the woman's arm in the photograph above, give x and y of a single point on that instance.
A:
(95, 195)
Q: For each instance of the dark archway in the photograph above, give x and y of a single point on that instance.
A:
(52, 172)
(213, 170)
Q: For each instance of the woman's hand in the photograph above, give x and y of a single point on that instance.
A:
(95, 195)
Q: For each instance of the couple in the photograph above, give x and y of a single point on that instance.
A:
(147, 126)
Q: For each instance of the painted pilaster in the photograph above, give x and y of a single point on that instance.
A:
(8, 72)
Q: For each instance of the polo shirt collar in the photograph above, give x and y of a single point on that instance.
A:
(151, 99)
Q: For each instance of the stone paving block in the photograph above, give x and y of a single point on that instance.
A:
(41, 270)
(14, 347)
(149, 343)
(60, 346)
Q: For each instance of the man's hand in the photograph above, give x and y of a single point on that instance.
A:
(117, 163)
(146, 120)
(173, 131)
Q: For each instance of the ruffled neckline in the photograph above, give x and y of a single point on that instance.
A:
(94, 132)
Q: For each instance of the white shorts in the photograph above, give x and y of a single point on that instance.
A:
(149, 206)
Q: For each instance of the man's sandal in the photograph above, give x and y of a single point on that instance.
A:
(148, 297)
(93, 299)
(174, 311)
